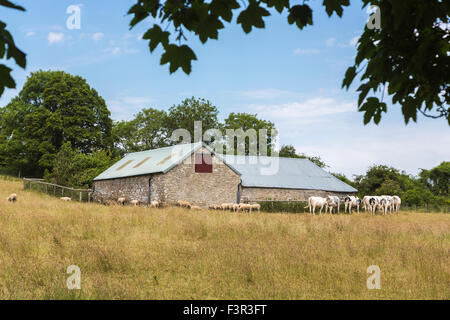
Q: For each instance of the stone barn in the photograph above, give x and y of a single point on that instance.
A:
(194, 173)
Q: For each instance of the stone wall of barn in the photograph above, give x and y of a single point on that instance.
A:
(202, 189)
(252, 194)
(132, 188)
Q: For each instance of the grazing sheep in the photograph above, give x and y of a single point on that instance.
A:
(235, 207)
(135, 202)
(256, 207)
(154, 204)
(214, 207)
(122, 201)
(12, 198)
(183, 204)
(66, 199)
(227, 206)
(245, 207)
(195, 208)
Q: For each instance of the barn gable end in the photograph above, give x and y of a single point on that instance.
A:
(183, 183)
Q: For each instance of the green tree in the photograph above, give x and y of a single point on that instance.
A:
(75, 169)
(148, 130)
(408, 55)
(437, 179)
(288, 151)
(53, 107)
(374, 178)
(246, 122)
(9, 50)
(389, 187)
(184, 115)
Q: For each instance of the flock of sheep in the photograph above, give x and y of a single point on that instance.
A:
(331, 203)
(370, 203)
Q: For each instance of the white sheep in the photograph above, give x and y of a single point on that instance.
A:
(183, 204)
(12, 197)
(66, 199)
(245, 207)
(122, 201)
(195, 208)
(227, 206)
(135, 202)
(256, 207)
(154, 204)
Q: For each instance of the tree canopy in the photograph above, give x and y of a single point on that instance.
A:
(53, 108)
(76, 169)
(153, 128)
(407, 57)
(249, 145)
(422, 190)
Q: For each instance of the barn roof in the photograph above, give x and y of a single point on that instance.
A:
(255, 171)
(288, 173)
(151, 161)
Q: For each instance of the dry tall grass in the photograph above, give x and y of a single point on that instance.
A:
(172, 253)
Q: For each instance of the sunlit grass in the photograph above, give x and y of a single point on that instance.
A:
(171, 253)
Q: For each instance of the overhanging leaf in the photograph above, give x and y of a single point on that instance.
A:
(178, 57)
(156, 36)
(301, 15)
(252, 17)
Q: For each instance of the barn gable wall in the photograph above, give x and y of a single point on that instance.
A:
(183, 183)
(249, 193)
(180, 183)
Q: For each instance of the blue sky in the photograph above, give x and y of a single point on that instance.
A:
(285, 75)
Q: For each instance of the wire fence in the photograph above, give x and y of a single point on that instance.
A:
(82, 195)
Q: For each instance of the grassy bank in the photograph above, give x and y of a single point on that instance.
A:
(171, 253)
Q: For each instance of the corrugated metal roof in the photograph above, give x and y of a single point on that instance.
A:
(147, 162)
(287, 173)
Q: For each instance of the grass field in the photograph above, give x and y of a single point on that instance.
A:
(139, 253)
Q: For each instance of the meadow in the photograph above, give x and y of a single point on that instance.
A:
(172, 253)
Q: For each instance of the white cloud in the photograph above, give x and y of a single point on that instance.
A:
(30, 33)
(124, 108)
(330, 42)
(312, 110)
(55, 37)
(98, 36)
(116, 51)
(306, 51)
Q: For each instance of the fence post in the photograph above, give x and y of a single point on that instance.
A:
(80, 196)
